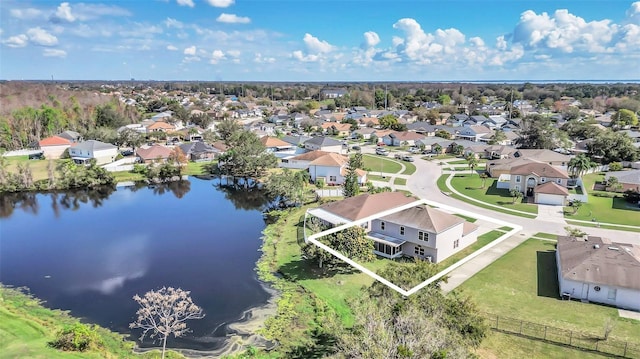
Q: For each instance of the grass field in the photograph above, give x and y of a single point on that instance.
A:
(410, 168)
(523, 284)
(471, 185)
(483, 240)
(400, 181)
(26, 327)
(380, 163)
(604, 209)
(500, 345)
(373, 177)
(38, 167)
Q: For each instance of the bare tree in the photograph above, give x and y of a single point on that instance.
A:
(164, 312)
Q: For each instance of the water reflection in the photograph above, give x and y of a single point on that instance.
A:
(245, 198)
(107, 264)
(73, 200)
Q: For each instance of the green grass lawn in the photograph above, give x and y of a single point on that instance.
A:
(523, 284)
(26, 327)
(38, 167)
(482, 241)
(471, 185)
(373, 177)
(380, 163)
(501, 345)
(464, 162)
(125, 176)
(410, 168)
(546, 235)
(400, 181)
(604, 209)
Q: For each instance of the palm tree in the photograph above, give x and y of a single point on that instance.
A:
(472, 161)
(484, 177)
(515, 194)
(579, 165)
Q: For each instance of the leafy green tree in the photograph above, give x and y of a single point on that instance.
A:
(247, 156)
(443, 134)
(472, 161)
(612, 147)
(288, 186)
(352, 242)
(515, 194)
(227, 128)
(437, 149)
(107, 116)
(623, 118)
(615, 166)
(538, 132)
(444, 99)
(497, 137)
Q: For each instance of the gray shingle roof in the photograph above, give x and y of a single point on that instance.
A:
(93, 145)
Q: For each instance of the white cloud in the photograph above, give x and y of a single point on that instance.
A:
(191, 59)
(263, 59)
(191, 51)
(169, 22)
(563, 32)
(17, 41)
(426, 48)
(25, 14)
(476, 41)
(54, 53)
(633, 14)
(501, 43)
(233, 19)
(315, 45)
(216, 56)
(371, 39)
(233, 53)
(221, 3)
(63, 13)
(172, 48)
(41, 37)
(298, 55)
(188, 3)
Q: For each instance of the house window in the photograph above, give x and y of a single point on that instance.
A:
(401, 231)
(517, 179)
(382, 226)
(559, 180)
(332, 178)
(418, 250)
(456, 243)
(543, 179)
(423, 236)
(612, 294)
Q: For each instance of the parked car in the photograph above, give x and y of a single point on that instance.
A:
(126, 152)
(36, 156)
(414, 150)
(356, 148)
(381, 151)
(398, 156)
(407, 158)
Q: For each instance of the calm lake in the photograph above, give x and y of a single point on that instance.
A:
(91, 252)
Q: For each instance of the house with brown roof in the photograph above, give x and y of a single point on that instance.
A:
(301, 161)
(402, 138)
(419, 231)
(422, 232)
(336, 128)
(54, 147)
(153, 154)
(332, 169)
(598, 270)
(161, 126)
(527, 177)
(274, 144)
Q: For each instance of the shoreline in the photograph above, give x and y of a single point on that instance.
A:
(241, 332)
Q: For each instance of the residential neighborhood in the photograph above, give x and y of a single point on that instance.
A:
(461, 185)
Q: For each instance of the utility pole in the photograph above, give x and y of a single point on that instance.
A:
(385, 97)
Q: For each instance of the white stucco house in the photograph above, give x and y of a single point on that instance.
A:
(532, 178)
(332, 169)
(598, 270)
(92, 149)
(301, 161)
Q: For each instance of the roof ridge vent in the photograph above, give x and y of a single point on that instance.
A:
(613, 248)
(596, 246)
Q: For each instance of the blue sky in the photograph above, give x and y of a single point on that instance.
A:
(331, 40)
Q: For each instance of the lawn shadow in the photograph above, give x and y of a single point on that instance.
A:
(307, 269)
(547, 274)
(620, 203)
(493, 190)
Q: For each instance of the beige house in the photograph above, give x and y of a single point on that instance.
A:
(53, 147)
(102, 152)
(419, 231)
(332, 169)
(527, 177)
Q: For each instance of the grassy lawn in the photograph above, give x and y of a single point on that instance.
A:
(377, 178)
(604, 209)
(464, 162)
(125, 176)
(380, 163)
(546, 235)
(26, 327)
(483, 240)
(500, 345)
(471, 185)
(38, 167)
(523, 284)
(400, 181)
(595, 224)
(410, 168)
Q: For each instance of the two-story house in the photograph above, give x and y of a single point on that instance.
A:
(546, 183)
